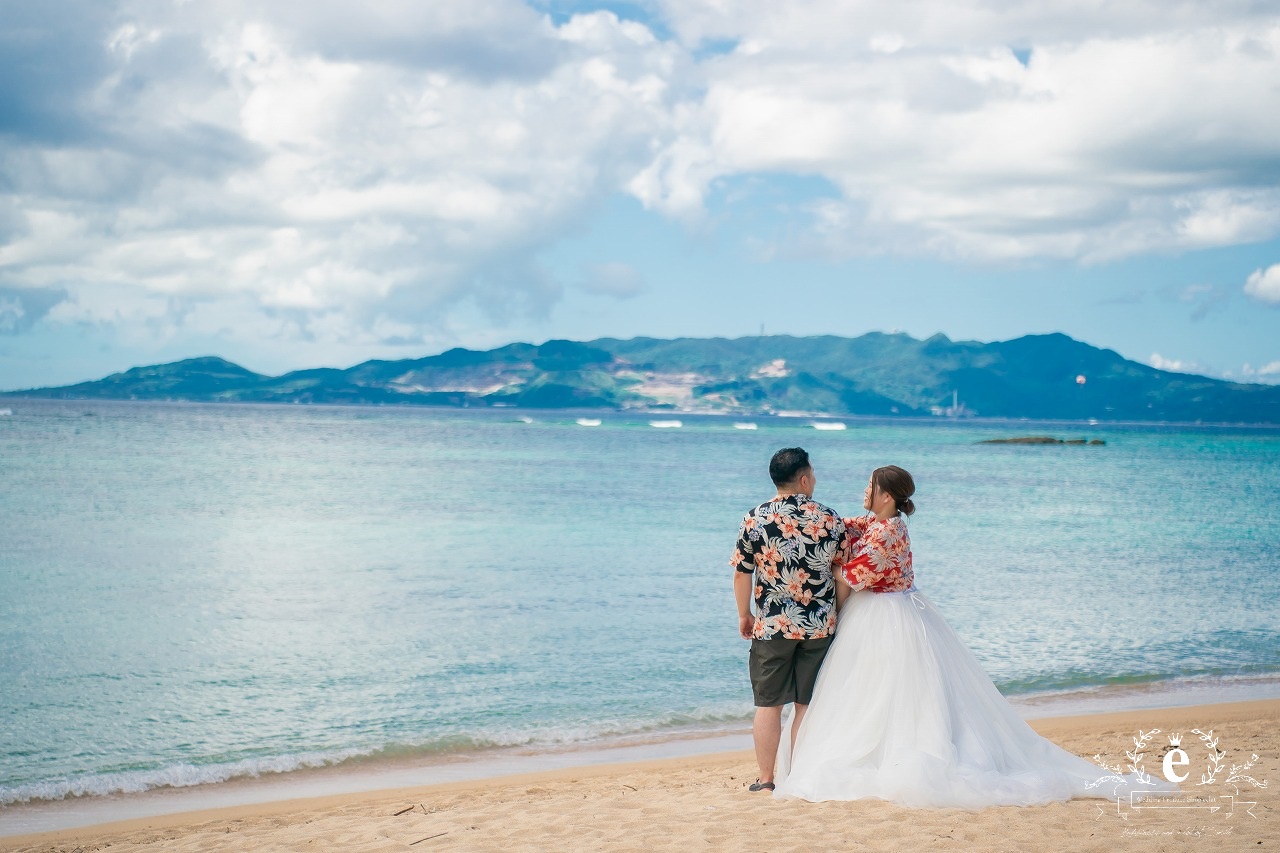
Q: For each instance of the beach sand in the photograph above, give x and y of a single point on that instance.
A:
(702, 803)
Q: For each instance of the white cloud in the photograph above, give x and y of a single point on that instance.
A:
(1128, 130)
(380, 168)
(1268, 374)
(886, 43)
(128, 38)
(1264, 285)
(294, 170)
(620, 281)
(1175, 365)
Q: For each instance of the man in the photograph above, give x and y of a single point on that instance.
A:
(784, 559)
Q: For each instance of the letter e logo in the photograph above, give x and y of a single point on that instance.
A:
(1175, 758)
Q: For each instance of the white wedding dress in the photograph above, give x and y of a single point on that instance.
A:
(904, 712)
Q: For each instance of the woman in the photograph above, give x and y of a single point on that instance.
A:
(902, 710)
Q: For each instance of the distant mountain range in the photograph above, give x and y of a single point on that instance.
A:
(1037, 376)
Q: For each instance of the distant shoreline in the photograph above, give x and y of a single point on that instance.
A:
(568, 414)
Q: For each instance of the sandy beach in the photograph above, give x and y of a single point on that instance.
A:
(702, 803)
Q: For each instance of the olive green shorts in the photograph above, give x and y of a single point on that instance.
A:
(785, 670)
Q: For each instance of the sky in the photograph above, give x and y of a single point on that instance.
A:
(291, 185)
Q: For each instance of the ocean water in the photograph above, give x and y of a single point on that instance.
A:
(191, 594)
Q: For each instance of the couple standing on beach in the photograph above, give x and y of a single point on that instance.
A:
(888, 701)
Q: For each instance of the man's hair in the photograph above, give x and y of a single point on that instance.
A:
(787, 464)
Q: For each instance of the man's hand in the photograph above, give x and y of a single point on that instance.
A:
(742, 586)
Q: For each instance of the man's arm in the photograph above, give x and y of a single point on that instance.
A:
(848, 535)
(743, 563)
(742, 588)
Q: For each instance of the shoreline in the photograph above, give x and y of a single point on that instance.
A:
(493, 766)
(365, 773)
(351, 779)
(690, 785)
(569, 412)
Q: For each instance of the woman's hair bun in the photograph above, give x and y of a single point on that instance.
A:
(896, 481)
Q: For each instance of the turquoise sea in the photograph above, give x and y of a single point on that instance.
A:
(191, 594)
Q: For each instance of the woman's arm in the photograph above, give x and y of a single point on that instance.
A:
(879, 561)
(854, 528)
(857, 525)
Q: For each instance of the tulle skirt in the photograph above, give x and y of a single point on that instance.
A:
(903, 711)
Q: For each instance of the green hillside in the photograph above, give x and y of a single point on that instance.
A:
(1037, 376)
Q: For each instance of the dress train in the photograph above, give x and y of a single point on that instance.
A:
(903, 711)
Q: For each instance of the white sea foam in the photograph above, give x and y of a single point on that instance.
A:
(744, 426)
(588, 422)
(827, 425)
(175, 776)
(1157, 693)
(666, 424)
(707, 720)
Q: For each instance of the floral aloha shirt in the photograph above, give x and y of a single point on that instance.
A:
(791, 544)
(877, 554)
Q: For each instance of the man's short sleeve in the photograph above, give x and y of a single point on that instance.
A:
(744, 554)
(841, 534)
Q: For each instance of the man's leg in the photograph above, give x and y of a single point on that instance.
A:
(773, 685)
(767, 731)
(795, 725)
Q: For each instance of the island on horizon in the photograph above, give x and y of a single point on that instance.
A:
(1036, 376)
